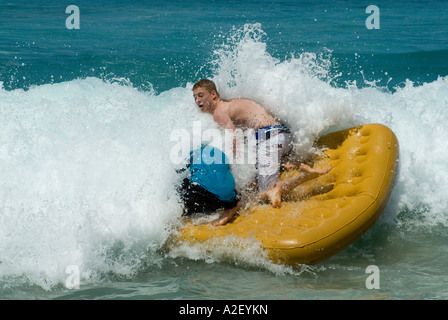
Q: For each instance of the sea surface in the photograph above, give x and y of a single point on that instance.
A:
(87, 108)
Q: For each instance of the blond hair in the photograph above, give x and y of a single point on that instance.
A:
(209, 85)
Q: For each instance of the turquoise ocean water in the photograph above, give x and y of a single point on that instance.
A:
(87, 188)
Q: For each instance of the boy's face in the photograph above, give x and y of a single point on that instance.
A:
(204, 99)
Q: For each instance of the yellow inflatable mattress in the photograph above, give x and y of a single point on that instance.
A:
(310, 227)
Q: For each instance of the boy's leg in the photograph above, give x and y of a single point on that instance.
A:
(274, 194)
(269, 155)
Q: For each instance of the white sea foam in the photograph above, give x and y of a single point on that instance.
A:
(85, 171)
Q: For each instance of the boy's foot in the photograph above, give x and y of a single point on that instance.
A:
(226, 216)
(274, 196)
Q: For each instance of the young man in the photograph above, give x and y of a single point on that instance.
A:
(210, 185)
(273, 138)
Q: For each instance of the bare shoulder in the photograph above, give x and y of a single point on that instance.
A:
(242, 102)
(243, 112)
